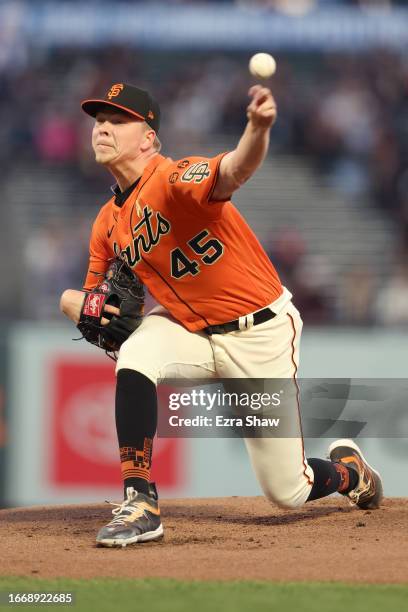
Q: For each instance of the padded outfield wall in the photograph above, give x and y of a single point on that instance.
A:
(61, 442)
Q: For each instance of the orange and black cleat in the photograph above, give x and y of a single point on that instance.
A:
(368, 493)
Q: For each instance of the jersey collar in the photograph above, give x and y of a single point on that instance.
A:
(122, 196)
(151, 166)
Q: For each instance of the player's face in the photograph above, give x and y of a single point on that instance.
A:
(117, 138)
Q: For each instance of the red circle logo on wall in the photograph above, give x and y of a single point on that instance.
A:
(84, 443)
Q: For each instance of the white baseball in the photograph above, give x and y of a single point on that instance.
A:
(262, 65)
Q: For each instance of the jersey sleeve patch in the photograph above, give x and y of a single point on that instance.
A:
(197, 173)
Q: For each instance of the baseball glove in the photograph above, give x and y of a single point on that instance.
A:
(121, 288)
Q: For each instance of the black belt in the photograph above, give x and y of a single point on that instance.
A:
(259, 317)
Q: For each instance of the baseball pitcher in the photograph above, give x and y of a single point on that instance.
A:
(223, 313)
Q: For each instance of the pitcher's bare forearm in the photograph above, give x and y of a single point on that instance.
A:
(239, 165)
(249, 154)
(71, 304)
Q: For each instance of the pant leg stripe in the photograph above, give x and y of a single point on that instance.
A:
(298, 399)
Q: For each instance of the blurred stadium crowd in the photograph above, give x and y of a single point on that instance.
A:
(347, 115)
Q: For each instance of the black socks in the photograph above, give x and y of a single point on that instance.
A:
(330, 477)
(136, 424)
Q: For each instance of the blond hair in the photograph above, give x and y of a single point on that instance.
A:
(157, 145)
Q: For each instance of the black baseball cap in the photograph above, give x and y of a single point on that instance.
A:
(130, 99)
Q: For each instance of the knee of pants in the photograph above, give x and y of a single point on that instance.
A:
(137, 360)
(290, 497)
(287, 503)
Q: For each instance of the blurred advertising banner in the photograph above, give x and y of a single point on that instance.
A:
(83, 447)
(197, 25)
(63, 438)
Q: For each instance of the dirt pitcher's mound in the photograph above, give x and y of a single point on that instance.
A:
(229, 538)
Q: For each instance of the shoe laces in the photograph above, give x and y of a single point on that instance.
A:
(359, 492)
(126, 508)
(364, 485)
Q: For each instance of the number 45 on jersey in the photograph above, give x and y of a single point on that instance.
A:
(208, 249)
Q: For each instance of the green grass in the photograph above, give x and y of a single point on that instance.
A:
(160, 595)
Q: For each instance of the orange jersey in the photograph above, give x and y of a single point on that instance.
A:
(198, 258)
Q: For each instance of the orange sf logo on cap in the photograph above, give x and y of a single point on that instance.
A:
(150, 115)
(115, 90)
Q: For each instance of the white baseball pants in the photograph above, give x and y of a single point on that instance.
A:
(161, 348)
